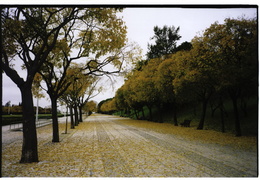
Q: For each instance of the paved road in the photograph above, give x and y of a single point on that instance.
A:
(107, 147)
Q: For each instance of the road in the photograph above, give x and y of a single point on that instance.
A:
(104, 146)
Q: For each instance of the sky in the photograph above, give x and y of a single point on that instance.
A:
(140, 23)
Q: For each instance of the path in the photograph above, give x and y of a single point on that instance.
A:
(104, 146)
(13, 132)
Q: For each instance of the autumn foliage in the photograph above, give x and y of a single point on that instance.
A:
(221, 66)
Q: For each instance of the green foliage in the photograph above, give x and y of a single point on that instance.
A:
(165, 42)
(12, 119)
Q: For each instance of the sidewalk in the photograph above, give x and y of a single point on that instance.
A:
(39, 123)
(14, 133)
(110, 146)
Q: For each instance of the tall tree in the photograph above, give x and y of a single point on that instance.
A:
(201, 76)
(29, 35)
(233, 48)
(92, 40)
(141, 87)
(121, 101)
(89, 90)
(165, 42)
(90, 107)
(164, 84)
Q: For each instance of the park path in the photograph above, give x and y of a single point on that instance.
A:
(105, 146)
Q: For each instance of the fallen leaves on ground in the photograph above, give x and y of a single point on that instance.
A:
(191, 133)
(107, 149)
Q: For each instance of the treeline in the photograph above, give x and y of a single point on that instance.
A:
(220, 65)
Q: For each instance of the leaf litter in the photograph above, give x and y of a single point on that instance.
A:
(115, 151)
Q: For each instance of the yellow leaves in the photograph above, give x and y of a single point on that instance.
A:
(90, 106)
(92, 64)
(103, 32)
(36, 88)
(207, 136)
(58, 53)
(105, 146)
(109, 106)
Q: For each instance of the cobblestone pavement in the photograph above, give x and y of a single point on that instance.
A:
(103, 146)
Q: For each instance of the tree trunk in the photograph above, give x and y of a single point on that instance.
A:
(136, 115)
(213, 110)
(160, 114)
(244, 107)
(175, 121)
(222, 115)
(195, 109)
(204, 108)
(55, 124)
(150, 113)
(29, 148)
(237, 120)
(143, 113)
(1, 94)
(72, 124)
(76, 116)
(80, 114)
(66, 127)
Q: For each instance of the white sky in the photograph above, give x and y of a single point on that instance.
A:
(140, 23)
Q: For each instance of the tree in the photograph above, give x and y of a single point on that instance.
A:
(65, 99)
(93, 38)
(233, 47)
(121, 100)
(222, 60)
(165, 86)
(36, 87)
(165, 42)
(90, 107)
(101, 103)
(90, 90)
(185, 46)
(8, 104)
(29, 35)
(201, 76)
(107, 106)
(141, 89)
(129, 96)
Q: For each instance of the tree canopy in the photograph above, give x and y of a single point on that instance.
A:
(221, 62)
(165, 41)
(47, 40)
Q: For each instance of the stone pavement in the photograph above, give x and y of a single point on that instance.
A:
(105, 146)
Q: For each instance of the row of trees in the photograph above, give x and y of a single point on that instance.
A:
(45, 42)
(221, 63)
(75, 90)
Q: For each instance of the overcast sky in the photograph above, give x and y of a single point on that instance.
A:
(140, 23)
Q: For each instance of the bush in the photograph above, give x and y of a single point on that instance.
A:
(11, 119)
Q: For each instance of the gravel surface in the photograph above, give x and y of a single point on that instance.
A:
(104, 146)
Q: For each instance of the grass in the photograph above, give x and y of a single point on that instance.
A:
(249, 123)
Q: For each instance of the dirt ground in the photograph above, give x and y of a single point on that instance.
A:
(111, 146)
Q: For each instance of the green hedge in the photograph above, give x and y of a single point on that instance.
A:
(11, 119)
